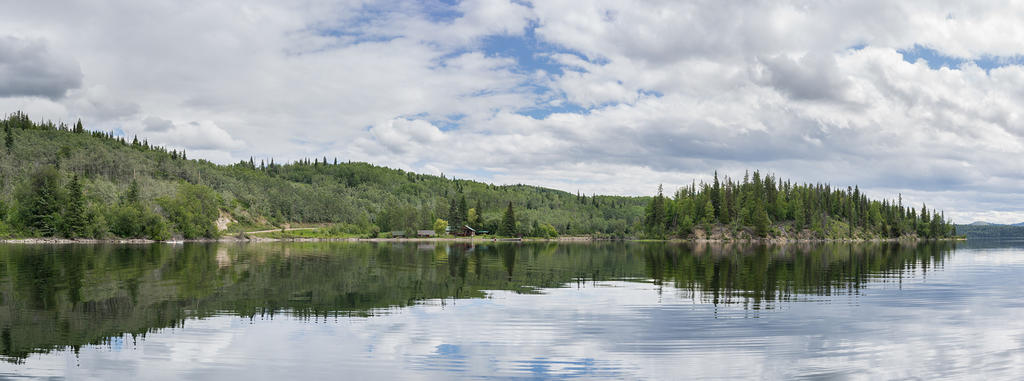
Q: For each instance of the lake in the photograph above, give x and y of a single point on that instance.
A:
(622, 310)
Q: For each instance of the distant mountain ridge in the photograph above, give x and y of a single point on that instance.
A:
(981, 229)
(985, 223)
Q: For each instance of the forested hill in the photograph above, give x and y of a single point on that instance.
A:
(175, 195)
(991, 231)
(61, 180)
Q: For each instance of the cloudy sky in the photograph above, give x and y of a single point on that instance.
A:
(612, 97)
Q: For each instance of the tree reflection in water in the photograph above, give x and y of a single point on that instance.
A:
(66, 296)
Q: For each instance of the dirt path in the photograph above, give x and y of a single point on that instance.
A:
(277, 230)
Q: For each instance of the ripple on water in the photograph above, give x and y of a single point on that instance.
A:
(620, 311)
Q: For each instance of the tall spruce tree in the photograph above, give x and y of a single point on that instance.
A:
(8, 137)
(132, 196)
(760, 216)
(508, 222)
(454, 219)
(74, 212)
(41, 200)
(463, 211)
(655, 219)
(716, 198)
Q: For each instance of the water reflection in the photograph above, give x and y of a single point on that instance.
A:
(54, 297)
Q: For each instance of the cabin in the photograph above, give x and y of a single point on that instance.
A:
(397, 234)
(465, 231)
(425, 233)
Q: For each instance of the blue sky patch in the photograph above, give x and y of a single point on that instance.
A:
(529, 53)
(932, 57)
(541, 112)
(443, 11)
(936, 60)
(449, 122)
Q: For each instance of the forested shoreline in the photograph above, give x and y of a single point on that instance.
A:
(769, 207)
(61, 180)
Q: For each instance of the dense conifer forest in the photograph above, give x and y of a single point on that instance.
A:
(61, 180)
(764, 206)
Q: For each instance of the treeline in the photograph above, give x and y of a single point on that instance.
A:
(771, 207)
(257, 194)
(60, 179)
(49, 198)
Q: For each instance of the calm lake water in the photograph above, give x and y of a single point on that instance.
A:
(534, 311)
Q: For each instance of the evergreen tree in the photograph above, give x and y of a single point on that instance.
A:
(761, 221)
(725, 206)
(74, 221)
(463, 212)
(40, 201)
(799, 217)
(8, 137)
(508, 223)
(132, 196)
(453, 215)
(716, 198)
(78, 127)
(655, 223)
(709, 213)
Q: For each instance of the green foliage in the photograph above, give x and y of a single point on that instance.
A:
(440, 226)
(126, 221)
(132, 196)
(343, 230)
(762, 223)
(508, 223)
(114, 172)
(95, 222)
(73, 221)
(759, 201)
(8, 137)
(39, 201)
(303, 191)
(798, 213)
(708, 213)
(544, 231)
(193, 211)
(132, 221)
(654, 223)
(472, 218)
